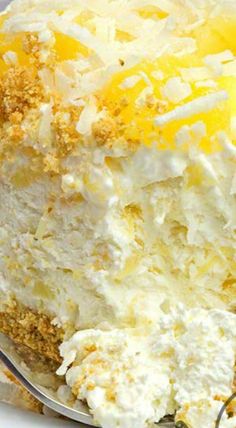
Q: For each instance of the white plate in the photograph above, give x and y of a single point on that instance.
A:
(11, 417)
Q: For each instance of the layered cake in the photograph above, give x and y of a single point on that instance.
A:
(118, 201)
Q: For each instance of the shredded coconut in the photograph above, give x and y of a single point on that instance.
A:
(199, 105)
(130, 82)
(194, 74)
(176, 90)
(10, 58)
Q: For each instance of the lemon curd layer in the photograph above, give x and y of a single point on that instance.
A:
(118, 195)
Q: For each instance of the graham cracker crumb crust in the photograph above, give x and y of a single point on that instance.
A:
(34, 330)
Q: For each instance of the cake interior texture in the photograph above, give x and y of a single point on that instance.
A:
(118, 201)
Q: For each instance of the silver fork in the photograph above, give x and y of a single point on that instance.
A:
(18, 368)
(15, 365)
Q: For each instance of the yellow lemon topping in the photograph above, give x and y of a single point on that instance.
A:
(144, 99)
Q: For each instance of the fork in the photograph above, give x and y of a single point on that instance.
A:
(15, 365)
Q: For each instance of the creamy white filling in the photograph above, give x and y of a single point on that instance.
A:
(134, 377)
(149, 231)
(150, 227)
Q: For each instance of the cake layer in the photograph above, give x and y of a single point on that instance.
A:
(144, 231)
(31, 329)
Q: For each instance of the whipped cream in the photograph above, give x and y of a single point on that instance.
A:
(131, 376)
(117, 197)
(142, 233)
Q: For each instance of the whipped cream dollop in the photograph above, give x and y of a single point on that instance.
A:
(133, 377)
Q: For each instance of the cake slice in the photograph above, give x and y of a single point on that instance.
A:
(118, 200)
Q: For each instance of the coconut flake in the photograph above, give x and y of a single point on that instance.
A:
(80, 65)
(85, 37)
(226, 143)
(221, 57)
(88, 116)
(105, 29)
(206, 84)
(229, 69)
(63, 83)
(200, 105)
(10, 58)
(34, 27)
(193, 133)
(183, 136)
(47, 79)
(130, 82)
(158, 75)
(45, 132)
(142, 98)
(215, 62)
(199, 130)
(176, 90)
(45, 36)
(195, 74)
(145, 78)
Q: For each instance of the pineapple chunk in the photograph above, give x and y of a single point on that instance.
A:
(138, 117)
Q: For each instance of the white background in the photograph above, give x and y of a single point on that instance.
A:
(15, 418)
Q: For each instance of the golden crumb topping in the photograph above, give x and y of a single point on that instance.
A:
(20, 90)
(31, 45)
(64, 128)
(72, 77)
(104, 130)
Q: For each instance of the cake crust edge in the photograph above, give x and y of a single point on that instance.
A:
(35, 330)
